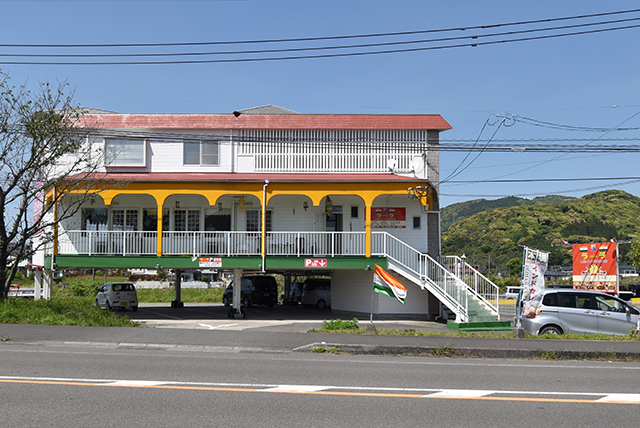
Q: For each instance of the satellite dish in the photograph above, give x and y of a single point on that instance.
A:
(392, 164)
(417, 165)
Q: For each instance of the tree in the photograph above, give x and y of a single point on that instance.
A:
(42, 150)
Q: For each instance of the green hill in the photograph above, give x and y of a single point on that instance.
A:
(456, 212)
(497, 235)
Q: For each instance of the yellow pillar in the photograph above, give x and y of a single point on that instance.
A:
(159, 229)
(367, 229)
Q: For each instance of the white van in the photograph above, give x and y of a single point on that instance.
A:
(512, 292)
(316, 292)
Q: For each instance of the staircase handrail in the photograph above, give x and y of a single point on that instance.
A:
(437, 278)
(479, 285)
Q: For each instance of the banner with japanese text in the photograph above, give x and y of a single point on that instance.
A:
(533, 270)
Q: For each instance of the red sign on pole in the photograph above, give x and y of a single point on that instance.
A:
(595, 266)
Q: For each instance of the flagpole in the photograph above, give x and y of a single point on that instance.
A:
(372, 294)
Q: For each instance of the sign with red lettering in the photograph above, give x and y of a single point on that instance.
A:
(389, 218)
(316, 263)
(595, 266)
(210, 262)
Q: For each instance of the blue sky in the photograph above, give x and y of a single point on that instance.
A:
(574, 80)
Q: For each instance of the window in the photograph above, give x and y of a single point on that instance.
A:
(216, 220)
(606, 303)
(354, 211)
(253, 220)
(95, 219)
(200, 153)
(150, 220)
(186, 220)
(124, 220)
(416, 222)
(119, 152)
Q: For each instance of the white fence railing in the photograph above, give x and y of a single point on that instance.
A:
(453, 283)
(110, 242)
(228, 244)
(479, 285)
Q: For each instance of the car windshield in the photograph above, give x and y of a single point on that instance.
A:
(123, 287)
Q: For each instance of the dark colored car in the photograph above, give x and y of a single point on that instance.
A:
(256, 290)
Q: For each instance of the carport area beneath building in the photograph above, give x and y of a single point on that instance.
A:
(280, 318)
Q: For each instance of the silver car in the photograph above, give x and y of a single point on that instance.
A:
(580, 312)
(117, 295)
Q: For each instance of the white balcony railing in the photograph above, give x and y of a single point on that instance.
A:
(228, 244)
(107, 242)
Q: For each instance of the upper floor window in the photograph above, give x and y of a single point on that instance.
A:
(201, 153)
(121, 152)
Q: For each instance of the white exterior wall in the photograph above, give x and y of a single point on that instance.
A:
(416, 238)
(352, 290)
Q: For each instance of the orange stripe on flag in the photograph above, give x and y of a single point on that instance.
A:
(386, 284)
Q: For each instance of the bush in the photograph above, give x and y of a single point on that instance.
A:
(78, 287)
(340, 325)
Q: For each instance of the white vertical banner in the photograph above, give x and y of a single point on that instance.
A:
(534, 268)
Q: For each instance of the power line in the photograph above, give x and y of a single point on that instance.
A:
(342, 37)
(474, 43)
(309, 49)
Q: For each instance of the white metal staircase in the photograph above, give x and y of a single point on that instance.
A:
(461, 288)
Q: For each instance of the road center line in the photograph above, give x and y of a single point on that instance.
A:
(543, 396)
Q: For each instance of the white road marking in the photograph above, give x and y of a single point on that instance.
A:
(213, 327)
(460, 393)
(604, 397)
(296, 388)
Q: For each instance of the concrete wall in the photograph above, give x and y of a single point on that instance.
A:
(352, 291)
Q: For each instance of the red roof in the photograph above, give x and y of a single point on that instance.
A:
(267, 121)
(258, 177)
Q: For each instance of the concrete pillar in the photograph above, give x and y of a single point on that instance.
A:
(287, 287)
(48, 285)
(237, 311)
(37, 284)
(177, 303)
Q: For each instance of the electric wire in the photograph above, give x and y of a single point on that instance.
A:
(474, 43)
(306, 39)
(308, 49)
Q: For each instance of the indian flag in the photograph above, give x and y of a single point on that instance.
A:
(385, 284)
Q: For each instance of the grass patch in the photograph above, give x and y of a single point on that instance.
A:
(187, 295)
(351, 327)
(444, 351)
(60, 310)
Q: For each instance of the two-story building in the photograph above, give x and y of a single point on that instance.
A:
(270, 190)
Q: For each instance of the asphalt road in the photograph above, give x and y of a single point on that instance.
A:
(92, 383)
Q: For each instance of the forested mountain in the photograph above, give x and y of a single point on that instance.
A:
(497, 235)
(456, 212)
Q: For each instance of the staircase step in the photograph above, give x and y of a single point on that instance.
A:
(480, 326)
(481, 318)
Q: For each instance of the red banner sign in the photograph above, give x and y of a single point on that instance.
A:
(390, 218)
(595, 266)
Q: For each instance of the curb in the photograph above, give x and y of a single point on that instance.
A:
(449, 351)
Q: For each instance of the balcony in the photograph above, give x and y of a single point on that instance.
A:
(227, 244)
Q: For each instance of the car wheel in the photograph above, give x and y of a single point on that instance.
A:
(321, 304)
(109, 306)
(246, 302)
(551, 329)
(225, 301)
(135, 308)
